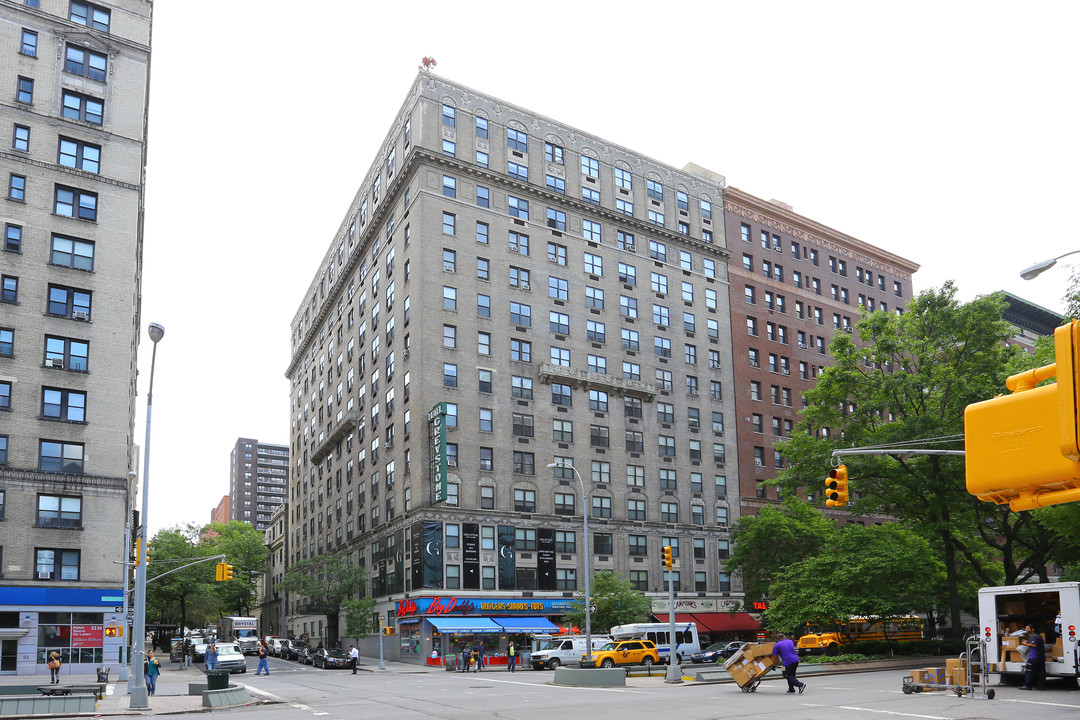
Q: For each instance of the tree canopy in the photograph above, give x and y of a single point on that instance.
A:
(908, 381)
(616, 601)
(766, 543)
(327, 581)
(882, 571)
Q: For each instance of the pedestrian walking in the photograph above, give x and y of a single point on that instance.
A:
(466, 658)
(151, 670)
(264, 659)
(187, 653)
(511, 656)
(54, 667)
(354, 658)
(211, 656)
(1035, 670)
(789, 658)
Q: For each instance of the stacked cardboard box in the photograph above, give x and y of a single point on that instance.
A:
(752, 662)
(929, 677)
(956, 672)
(1011, 650)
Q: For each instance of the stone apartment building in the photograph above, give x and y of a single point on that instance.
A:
(555, 298)
(74, 108)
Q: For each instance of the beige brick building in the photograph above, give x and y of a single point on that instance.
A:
(75, 77)
(566, 298)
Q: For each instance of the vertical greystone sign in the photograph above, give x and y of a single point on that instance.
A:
(437, 446)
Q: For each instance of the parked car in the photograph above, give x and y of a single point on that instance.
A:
(294, 650)
(198, 649)
(563, 651)
(717, 652)
(330, 658)
(231, 658)
(307, 656)
(274, 645)
(626, 652)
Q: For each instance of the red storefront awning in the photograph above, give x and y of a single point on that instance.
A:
(715, 622)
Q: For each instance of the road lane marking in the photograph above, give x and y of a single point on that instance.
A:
(1039, 702)
(890, 712)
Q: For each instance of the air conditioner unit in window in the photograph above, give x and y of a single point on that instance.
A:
(44, 575)
(631, 248)
(56, 363)
(404, 354)
(80, 315)
(524, 286)
(388, 445)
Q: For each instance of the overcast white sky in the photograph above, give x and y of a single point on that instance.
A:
(945, 132)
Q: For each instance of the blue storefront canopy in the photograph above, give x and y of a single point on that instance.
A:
(464, 625)
(527, 624)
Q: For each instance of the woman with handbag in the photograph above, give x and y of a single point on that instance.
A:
(151, 670)
(54, 667)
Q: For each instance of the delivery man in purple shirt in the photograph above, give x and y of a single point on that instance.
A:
(789, 658)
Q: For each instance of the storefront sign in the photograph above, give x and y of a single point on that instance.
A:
(86, 635)
(449, 605)
(698, 604)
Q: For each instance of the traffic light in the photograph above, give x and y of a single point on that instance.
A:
(389, 630)
(836, 488)
(138, 551)
(223, 572)
(1023, 448)
(668, 562)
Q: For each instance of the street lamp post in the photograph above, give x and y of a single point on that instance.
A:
(1039, 268)
(588, 577)
(125, 646)
(139, 698)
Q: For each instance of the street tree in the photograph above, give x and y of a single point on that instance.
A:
(186, 593)
(244, 548)
(358, 617)
(908, 380)
(880, 571)
(617, 602)
(766, 543)
(327, 581)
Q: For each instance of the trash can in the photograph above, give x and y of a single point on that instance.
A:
(451, 662)
(217, 679)
(103, 674)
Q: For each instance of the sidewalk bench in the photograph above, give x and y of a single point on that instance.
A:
(95, 689)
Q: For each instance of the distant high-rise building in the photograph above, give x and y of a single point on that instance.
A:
(76, 77)
(258, 481)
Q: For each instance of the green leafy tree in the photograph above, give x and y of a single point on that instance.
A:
(909, 381)
(244, 548)
(766, 543)
(616, 601)
(883, 571)
(185, 594)
(327, 581)
(359, 614)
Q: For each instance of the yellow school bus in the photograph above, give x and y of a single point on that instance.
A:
(829, 638)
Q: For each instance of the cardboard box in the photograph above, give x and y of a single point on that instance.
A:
(1058, 650)
(1014, 607)
(759, 649)
(1010, 642)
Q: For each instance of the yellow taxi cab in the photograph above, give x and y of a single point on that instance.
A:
(626, 652)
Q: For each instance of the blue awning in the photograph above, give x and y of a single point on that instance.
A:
(527, 624)
(464, 624)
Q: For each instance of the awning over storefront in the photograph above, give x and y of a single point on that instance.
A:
(714, 622)
(527, 624)
(464, 625)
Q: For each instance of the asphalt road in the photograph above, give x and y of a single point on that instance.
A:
(302, 691)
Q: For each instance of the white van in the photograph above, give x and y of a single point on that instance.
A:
(565, 650)
(686, 638)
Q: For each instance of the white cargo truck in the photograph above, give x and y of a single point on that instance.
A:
(244, 631)
(555, 650)
(1052, 608)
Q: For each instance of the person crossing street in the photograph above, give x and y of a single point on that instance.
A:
(264, 662)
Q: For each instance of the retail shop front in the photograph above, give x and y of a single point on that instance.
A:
(450, 625)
